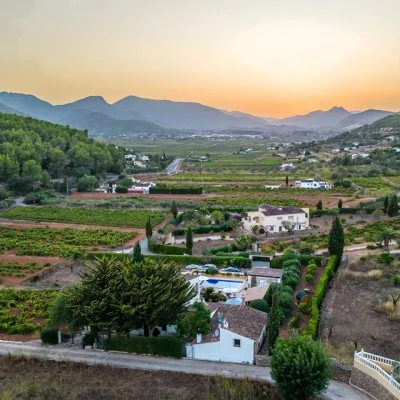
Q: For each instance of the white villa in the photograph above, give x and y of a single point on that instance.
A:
(271, 218)
(287, 167)
(130, 157)
(312, 184)
(237, 334)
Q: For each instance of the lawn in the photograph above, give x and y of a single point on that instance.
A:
(131, 219)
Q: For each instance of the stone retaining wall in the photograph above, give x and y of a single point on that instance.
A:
(370, 385)
(341, 371)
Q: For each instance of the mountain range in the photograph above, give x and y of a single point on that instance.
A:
(134, 114)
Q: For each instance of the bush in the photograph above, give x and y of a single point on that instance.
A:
(166, 190)
(260, 305)
(311, 268)
(309, 278)
(295, 322)
(168, 346)
(121, 189)
(212, 271)
(385, 258)
(166, 248)
(49, 336)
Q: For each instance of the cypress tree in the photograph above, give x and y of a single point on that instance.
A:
(287, 181)
(393, 207)
(386, 204)
(274, 319)
(137, 253)
(174, 209)
(336, 239)
(340, 204)
(149, 229)
(319, 205)
(189, 241)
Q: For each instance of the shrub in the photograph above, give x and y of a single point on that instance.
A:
(212, 271)
(169, 346)
(311, 268)
(49, 336)
(121, 189)
(385, 258)
(259, 305)
(309, 278)
(88, 339)
(295, 322)
(303, 307)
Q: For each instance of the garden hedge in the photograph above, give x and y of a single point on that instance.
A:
(49, 336)
(277, 262)
(316, 301)
(168, 346)
(166, 248)
(203, 229)
(180, 260)
(171, 190)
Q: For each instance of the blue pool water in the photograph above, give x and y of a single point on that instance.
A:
(222, 283)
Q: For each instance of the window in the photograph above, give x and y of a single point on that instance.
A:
(290, 218)
(279, 218)
(236, 342)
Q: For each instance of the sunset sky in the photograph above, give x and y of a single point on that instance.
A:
(265, 57)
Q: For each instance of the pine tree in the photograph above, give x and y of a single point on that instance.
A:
(340, 204)
(274, 319)
(149, 229)
(163, 155)
(386, 204)
(189, 241)
(137, 253)
(287, 181)
(174, 209)
(393, 207)
(336, 239)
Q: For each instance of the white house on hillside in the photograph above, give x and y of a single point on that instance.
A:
(237, 334)
(287, 167)
(271, 218)
(312, 184)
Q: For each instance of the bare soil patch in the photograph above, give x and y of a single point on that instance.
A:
(349, 316)
(22, 378)
(357, 202)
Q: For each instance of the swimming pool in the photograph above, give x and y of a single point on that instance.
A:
(222, 283)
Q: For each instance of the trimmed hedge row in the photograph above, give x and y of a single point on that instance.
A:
(203, 229)
(166, 248)
(277, 262)
(334, 211)
(166, 190)
(243, 254)
(168, 346)
(316, 301)
(180, 260)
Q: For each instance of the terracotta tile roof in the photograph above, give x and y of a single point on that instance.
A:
(266, 272)
(243, 320)
(255, 293)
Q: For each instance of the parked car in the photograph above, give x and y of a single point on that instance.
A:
(231, 270)
(193, 266)
(211, 266)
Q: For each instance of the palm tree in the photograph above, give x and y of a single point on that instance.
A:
(386, 236)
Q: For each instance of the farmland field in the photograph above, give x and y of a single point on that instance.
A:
(132, 219)
(374, 185)
(59, 242)
(24, 311)
(18, 270)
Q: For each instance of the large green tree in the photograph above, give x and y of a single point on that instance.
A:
(8, 167)
(174, 209)
(196, 321)
(217, 216)
(87, 183)
(385, 204)
(149, 228)
(189, 240)
(274, 322)
(385, 236)
(137, 253)
(336, 239)
(300, 368)
(393, 207)
(31, 169)
(243, 242)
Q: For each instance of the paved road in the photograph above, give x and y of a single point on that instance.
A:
(336, 390)
(172, 168)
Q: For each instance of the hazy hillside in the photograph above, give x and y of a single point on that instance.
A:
(365, 117)
(98, 124)
(8, 110)
(182, 115)
(317, 119)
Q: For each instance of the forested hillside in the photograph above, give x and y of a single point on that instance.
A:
(34, 149)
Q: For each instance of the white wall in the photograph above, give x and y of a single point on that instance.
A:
(258, 218)
(224, 350)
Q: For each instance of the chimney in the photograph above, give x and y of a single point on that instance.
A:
(199, 338)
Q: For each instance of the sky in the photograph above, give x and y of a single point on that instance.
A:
(264, 57)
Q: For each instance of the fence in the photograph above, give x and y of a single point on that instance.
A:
(369, 364)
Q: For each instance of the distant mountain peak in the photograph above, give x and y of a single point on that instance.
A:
(338, 108)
